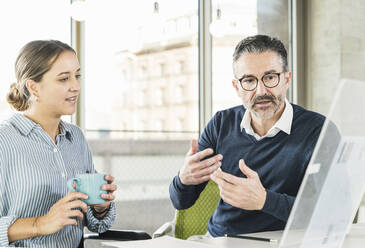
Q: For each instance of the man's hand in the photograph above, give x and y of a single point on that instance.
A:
(195, 171)
(246, 193)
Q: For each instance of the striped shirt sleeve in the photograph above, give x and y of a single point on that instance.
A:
(5, 223)
(100, 226)
(93, 223)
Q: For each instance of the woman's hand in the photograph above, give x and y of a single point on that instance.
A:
(60, 214)
(110, 188)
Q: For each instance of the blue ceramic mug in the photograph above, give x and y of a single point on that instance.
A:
(89, 184)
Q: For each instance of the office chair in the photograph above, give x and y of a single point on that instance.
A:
(194, 220)
(116, 235)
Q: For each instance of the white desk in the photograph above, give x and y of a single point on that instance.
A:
(355, 239)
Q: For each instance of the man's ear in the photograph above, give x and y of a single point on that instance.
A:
(287, 78)
(235, 86)
(32, 87)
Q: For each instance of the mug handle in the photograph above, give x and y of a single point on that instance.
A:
(70, 183)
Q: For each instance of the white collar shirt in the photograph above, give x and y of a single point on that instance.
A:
(283, 124)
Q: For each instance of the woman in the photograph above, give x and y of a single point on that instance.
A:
(39, 153)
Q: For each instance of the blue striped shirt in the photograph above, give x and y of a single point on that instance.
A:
(33, 175)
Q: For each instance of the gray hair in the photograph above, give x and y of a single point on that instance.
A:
(259, 44)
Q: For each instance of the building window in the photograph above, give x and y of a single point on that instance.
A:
(180, 67)
(163, 69)
(142, 72)
(179, 93)
(159, 125)
(159, 96)
(141, 98)
(179, 124)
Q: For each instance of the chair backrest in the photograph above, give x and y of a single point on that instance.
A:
(194, 220)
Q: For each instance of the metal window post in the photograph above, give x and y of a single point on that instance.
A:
(205, 64)
(78, 43)
(297, 92)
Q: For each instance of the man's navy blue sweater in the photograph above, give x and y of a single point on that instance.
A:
(280, 162)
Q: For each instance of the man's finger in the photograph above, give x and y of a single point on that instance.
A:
(246, 170)
(193, 147)
(217, 177)
(204, 179)
(228, 200)
(228, 193)
(208, 170)
(228, 177)
(212, 160)
(207, 163)
(202, 154)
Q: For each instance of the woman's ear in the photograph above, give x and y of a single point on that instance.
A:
(32, 88)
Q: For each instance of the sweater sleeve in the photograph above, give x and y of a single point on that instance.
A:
(278, 205)
(184, 196)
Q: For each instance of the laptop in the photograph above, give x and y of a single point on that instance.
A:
(334, 183)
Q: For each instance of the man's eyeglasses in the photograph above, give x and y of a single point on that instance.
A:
(270, 80)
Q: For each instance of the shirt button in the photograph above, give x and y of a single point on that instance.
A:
(63, 175)
(55, 149)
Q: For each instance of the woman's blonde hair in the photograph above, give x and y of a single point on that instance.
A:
(33, 61)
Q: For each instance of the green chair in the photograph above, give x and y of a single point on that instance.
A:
(194, 220)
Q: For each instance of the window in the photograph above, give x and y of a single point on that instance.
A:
(141, 98)
(23, 21)
(179, 93)
(144, 52)
(142, 72)
(159, 125)
(238, 20)
(159, 96)
(163, 69)
(180, 67)
(180, 124)
(131, 97)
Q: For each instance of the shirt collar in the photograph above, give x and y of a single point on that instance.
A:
(284, 123)
(286, 118)
(65, 130)
(26, 125)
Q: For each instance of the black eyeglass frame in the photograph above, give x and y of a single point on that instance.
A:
(262, 80)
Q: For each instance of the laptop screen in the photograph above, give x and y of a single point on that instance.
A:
(334, 183)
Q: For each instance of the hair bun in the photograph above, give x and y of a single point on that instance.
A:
(16, 99)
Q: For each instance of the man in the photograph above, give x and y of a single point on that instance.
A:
(262, 148)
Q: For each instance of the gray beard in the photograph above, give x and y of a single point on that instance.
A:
(268, 115)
